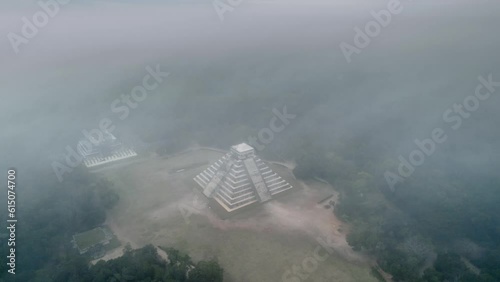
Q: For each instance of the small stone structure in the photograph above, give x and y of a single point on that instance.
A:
(107, 150)
(93, 242)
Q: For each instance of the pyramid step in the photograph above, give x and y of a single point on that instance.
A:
(281, 189)
(232, 204)
(239, 185)
(272, 181)
(237, 182)
(276, 184)
(284, 184)
(271, 176)
(237, 192)
(200, 182)
(234, 198)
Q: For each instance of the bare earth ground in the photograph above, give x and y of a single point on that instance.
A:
(165, 208)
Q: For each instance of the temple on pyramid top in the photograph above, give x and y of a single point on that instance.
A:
(240, 179)
(243, 150)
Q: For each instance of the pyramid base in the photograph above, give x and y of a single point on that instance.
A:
(223, 213)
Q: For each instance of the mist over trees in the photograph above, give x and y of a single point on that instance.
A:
(353, 122)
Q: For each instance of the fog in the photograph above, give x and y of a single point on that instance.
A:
(69, 73)
(226, 76)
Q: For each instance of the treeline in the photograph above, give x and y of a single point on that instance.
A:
(145, 265)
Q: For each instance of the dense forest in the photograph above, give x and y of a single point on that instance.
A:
(46, 227)
(428, 230)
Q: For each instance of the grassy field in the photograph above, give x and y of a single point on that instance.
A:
(89, 238)
(161, 204)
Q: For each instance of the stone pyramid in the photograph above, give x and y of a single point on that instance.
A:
(240, 179)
